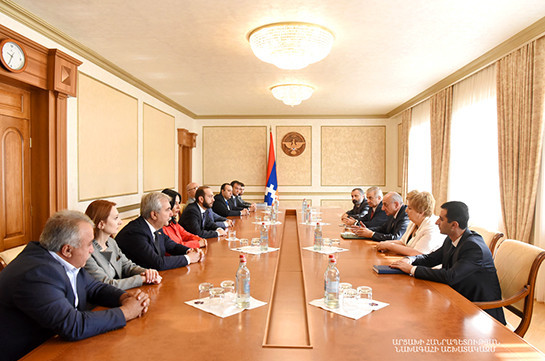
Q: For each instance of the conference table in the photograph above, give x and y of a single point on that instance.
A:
(423, 320)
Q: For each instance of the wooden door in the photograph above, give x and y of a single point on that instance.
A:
(15, 213)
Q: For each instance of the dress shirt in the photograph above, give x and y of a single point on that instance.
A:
(71, 272)
(153, 230)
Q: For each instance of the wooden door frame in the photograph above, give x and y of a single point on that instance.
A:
(51, 77)
(186, 142)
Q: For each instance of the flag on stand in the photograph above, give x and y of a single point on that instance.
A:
(271, 188)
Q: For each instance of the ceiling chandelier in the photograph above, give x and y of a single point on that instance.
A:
(292, 94)
(291, 45)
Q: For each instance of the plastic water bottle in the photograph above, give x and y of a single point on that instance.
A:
(243, 284)
(274, 211)
(304, 206)
(331, 284)
(306, 218)
(264, 238)
(318, 240)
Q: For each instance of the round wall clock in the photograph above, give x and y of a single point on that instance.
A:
(293, 144)
(12, 56)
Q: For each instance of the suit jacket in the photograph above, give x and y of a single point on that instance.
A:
(426, 238)
(237, 203)
(378, 218)
(137, 242)
(222, 208)
(113, 267)
(359, 210)
(37, 302)
(468, 268)
(394, 228)
(192, 220)
(216, 218)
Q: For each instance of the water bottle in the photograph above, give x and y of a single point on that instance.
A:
(264, 238)
(307, 215)
(331, 284)
(304, 207)
(274, 211)
(243, 284)
(318, 240)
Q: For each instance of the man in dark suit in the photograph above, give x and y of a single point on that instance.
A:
(236, 201)
(395, 226)
(195, 217)
(375, 216)
(144, 242)
(467, 264)
(221, 203)
(45, 291)
(361, 207)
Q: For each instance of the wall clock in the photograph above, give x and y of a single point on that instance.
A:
(12, 56)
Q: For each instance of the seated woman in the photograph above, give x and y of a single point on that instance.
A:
(422, 235)
(107, 263)
(176, 232)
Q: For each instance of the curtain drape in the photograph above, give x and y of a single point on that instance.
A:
(520, 78)
(440, 118)
(405, 126)
(419, 168)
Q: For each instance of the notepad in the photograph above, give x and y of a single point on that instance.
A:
(381, 269)
(350, 235)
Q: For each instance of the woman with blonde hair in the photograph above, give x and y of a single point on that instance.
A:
(422, 235)
(107, 262)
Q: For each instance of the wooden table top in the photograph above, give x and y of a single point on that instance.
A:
(424, 320)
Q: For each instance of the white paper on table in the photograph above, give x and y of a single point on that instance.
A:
(313, 223)
(268, 223)
(365, 307)
(228, 308)
(327, 249)
(253, 249)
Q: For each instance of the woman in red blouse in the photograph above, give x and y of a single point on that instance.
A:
(176, 232)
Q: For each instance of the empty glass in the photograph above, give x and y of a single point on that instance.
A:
(216, 298)
(365, 292)
(350, 300)
(204, 291)
(232, 235)
(228, 290)
(243, 242)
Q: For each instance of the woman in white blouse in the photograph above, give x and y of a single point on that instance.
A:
(422, 235)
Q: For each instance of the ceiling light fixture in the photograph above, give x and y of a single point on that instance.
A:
(291, 45)
(292, 94)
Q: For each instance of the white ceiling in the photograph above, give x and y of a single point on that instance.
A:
(196, 52)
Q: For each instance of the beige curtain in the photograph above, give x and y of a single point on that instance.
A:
(440, 118)
(405, 126)
(520, 91)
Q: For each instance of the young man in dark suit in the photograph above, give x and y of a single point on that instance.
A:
(221, 203)
(195, 217)
(467, 263)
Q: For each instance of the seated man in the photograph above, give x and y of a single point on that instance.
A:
(467, 264)
(236, 201)
(361, 207)
(45, 291)
(375, 216)
(221, 203)
(397, 222)
(194, 218)
(220, 221)
(144, 242)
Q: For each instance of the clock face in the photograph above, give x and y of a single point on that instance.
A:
(13, 56)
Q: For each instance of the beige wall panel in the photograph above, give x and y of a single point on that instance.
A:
(294, 171)
(291, 203)
(344, 204)
(107, 140)
(159, 149)
(234, 153)
(353, 156)
(399, 155)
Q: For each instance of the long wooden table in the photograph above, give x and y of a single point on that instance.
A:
(424, 320)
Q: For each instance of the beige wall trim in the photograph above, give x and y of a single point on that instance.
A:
(531, 33)
(25, 17)
(294, 116)
(130, 207)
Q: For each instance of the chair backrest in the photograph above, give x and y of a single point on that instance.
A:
(517, 264)
(9, 255)
(491, 238)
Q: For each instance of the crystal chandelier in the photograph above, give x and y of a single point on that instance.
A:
(291, 45)
(292, 94)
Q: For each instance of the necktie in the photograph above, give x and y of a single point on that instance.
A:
(372, 213)
(227, 202)
(156, 241)
(204, 215)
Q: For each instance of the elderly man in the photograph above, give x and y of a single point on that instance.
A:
(45, 291)
(375, 216)
(467, 264)
(220, 221)
(236, 201)
(395, 226)
(194, 218)
(221, 203)
(144, 242)
(360, 209)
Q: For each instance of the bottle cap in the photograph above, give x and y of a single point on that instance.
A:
(243, 258)
(332, 258)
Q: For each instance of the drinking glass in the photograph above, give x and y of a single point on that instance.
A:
(232, 234)
(216, 298)
(228, 290)
(243, 242)
(204, 291)
(256, 242)
(350, 300)
(365, 292)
